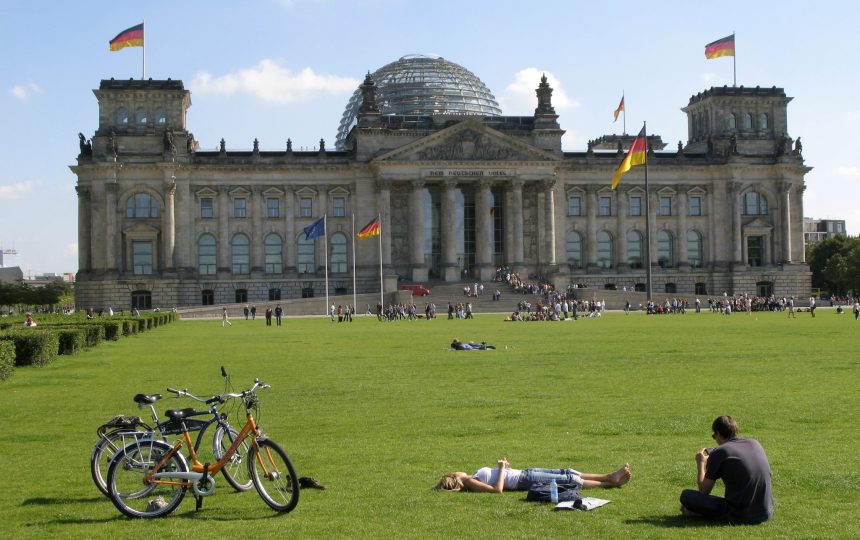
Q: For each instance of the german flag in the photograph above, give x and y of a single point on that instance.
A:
(371, 229)
(635, 156)
(619, 109)
(131, 37)
(721, 47)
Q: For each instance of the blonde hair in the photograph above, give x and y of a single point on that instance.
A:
(449, 482)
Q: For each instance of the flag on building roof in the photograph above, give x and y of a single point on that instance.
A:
(721, 47)
(371, 229)
(635, 156)
(131, 37)
(619, 109)
(317, 228)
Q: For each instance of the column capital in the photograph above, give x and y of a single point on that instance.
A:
(517, 183)
(417, 183)
(735, 187)
(485, 183)
(384, 183)
(83, 191)
(785, 187)
(449, 183)
(548, 183)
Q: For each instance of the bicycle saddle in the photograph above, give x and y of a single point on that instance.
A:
(179, 414)
(146, 399)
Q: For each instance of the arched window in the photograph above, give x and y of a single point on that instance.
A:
(140, 115)
(694, 249)
(160, 115)
(634, 249)
(665, 251)
(241, 248)
(755, 204)
(747, 121)
(338, 256)
(206, 251)
(141, 299)
(141, 206)
(605, 250)
(122, 116)
(306, 255)
(574, 249)
(762, 121)
(274, 254)
(731, 121)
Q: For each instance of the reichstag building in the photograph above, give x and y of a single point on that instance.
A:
(460, 188)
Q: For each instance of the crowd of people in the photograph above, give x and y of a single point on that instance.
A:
(557, 308)
(405, 311)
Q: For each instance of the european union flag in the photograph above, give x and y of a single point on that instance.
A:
(317, 228)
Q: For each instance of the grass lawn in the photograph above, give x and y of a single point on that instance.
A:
(378, 411)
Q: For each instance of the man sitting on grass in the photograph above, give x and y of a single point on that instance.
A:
(744, 468)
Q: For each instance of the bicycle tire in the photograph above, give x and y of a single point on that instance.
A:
(236, 471)
(278, 484)
(125, 480)
(103, 452)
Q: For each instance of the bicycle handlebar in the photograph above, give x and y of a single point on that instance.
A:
(186, 393)
(257, 384)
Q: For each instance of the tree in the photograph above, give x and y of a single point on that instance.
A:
(820, 253)
(836, 274)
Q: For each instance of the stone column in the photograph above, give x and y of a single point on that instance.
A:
(322, 205)
(549, 217)
(184, 209)
(797, 222)
(384, 190)
(681, 234)
(290, 239)
(168, 222)
(483, 232)
(737, 240)
(258, 209)
(622, 264)
(84, 228)
(449, 231)
(111, 239)
(591, 238)
(224, 229)
(785, 217)
(516, 216)
(416, 231)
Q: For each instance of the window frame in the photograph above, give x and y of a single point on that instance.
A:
(634, 210)
(207, 260)
(306, 207)
(240, 208)
(604, 206)
(574, 205)
(695, 209)
(338, 206)
(207, 206)
(240, 263)
(273, 208)
(273, 259)
(139, 259)
(665, 206)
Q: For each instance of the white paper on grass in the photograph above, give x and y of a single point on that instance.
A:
(588, 503)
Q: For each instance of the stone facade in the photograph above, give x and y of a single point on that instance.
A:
(161, 223)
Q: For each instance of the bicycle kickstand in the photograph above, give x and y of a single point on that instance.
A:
(201, 484)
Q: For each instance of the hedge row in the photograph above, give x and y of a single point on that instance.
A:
(39, 346)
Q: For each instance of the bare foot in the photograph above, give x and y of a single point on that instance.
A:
(621, 476)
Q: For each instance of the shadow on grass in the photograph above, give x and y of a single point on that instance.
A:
(673, 522)
(41, 501)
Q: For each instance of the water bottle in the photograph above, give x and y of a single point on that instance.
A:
(553, 492)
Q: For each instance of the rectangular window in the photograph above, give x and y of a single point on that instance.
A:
(206, 209)
(273, 208)
(142, 257)
(665, 206)
(840, 228)
(306, 207)
(605, 206)
(635, 206)
(695, 206)
(755, 250)
(239, 208)
(338, 205)
(574, 206)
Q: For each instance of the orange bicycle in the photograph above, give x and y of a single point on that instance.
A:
(149, 477)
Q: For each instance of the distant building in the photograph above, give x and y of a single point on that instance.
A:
(13, 274)
(459, 189)
(815, 230)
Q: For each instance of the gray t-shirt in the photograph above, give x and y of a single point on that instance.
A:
(744, 468)
(490, 475)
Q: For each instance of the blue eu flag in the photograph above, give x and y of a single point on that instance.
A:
(317, 228)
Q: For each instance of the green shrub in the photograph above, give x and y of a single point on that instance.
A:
(95, 334)
(7, 358)
(149, 323)
(129, 328)
(112, 330)
(72, 340)
(141, 325)
(35, 347)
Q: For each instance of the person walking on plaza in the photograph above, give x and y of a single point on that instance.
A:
(279, 313)
(812, 306)
(253, 313)
(225, 319)
(791, 314)
(856, 309)
(246, 310)
(269, 316)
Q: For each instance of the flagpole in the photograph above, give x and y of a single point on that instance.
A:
(144, 49)
(325, 239)
(353, 262)
(381, 284)
(734, 61)
(624, 112)
(647, 220)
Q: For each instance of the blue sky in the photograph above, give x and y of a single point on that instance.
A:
(278, 69)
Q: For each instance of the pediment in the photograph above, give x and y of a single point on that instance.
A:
(206, 193)
(273, 192)
(240, 192)
(139, 229)
(758, 224)
(469, 140)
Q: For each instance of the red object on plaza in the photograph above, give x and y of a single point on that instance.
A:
(416, 289)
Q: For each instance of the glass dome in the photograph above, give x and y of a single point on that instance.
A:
(423, 85)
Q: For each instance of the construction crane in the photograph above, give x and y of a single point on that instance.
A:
(6, 252)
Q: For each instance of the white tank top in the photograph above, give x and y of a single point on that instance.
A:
(490, 475)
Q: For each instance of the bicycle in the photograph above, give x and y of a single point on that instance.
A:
(149, 477)
(129, 429)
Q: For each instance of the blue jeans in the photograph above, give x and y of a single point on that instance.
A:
(545, 476)
(712, 507)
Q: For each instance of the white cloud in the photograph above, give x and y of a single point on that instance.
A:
(853, 172)
(24, 91)
(14, 190)
(70, 250)
(271, 82)
(519, 96)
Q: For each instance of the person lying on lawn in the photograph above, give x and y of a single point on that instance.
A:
(458, 345)
(503, 477)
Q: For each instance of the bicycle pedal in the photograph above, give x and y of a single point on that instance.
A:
(198, 504)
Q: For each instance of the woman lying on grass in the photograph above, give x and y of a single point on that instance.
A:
(504, 477)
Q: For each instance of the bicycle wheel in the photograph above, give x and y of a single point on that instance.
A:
(273, 475)
(132, 493)
(236, 471)
(104, 451)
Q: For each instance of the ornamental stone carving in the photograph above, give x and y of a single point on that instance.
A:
(470, 145)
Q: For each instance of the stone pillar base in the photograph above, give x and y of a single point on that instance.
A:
(451, 273)
(419, 274)
(485, 272)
